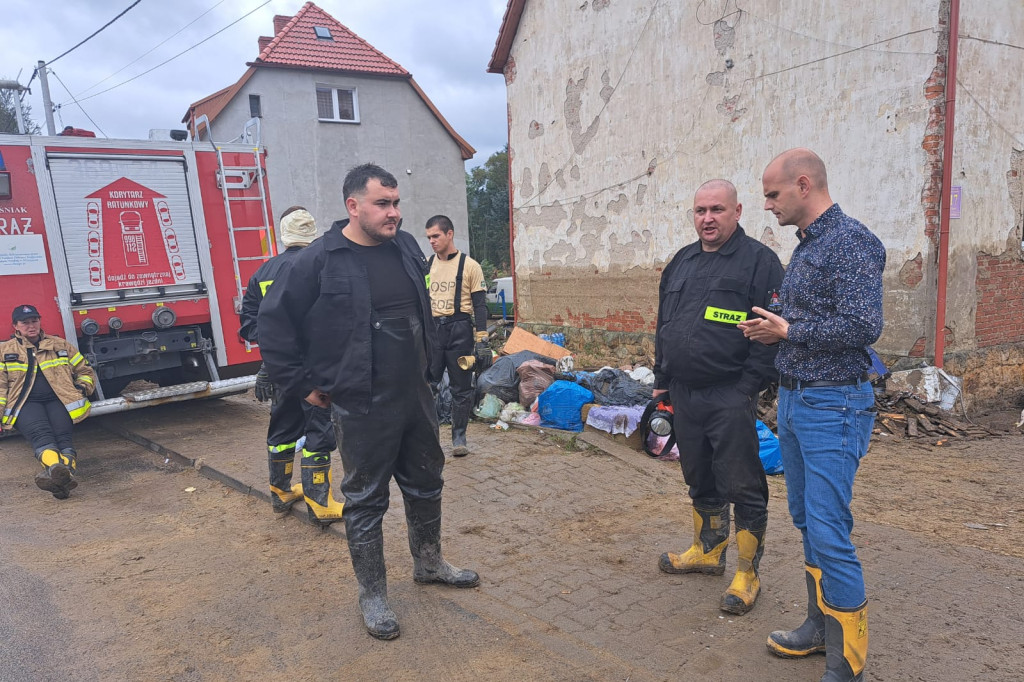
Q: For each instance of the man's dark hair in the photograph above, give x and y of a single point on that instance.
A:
(442, 221)
(291, 209)
(357, 178)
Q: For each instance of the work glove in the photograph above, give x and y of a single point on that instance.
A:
(482, 353)
(264, 389)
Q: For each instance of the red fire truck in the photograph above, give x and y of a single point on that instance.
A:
(139, 251)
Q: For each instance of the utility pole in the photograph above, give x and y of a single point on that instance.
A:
(47, 104)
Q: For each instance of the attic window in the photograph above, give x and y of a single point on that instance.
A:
(323, 33)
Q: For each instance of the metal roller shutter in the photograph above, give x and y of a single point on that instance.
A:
(126, 225)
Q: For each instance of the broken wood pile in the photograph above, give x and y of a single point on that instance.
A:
(904, 416)
(899, 415)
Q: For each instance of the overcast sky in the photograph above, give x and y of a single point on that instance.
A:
(444, 44)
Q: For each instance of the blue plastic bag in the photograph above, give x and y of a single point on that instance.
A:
(560, 405)
(771, 457)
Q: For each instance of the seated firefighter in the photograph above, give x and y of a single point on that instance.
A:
(291, 417)
(45, 384)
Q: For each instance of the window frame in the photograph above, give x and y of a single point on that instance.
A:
(259, 106)
(333, 89)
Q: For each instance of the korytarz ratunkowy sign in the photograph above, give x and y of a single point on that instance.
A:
(131, 241)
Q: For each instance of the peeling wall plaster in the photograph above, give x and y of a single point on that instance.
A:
(684, 95)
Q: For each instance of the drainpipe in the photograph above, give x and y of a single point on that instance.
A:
(512, 229)
(947, 180)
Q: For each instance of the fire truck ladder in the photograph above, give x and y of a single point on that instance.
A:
(238, 179)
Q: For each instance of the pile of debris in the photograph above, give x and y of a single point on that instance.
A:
(900, 415)
(903, 416)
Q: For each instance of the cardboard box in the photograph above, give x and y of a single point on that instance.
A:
(520, 339)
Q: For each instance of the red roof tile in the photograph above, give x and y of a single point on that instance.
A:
(296, 45)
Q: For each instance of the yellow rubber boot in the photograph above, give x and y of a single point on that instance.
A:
(846, 642)
(710, 540)
(57, 476)
(321, 506)
(281, 460)
(746, 584)
(809, 638)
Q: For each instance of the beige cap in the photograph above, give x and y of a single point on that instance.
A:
(298, 228)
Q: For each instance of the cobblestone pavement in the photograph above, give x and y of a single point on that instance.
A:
(566, 538)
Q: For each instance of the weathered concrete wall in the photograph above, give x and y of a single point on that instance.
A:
(619, 109)
(308, 158)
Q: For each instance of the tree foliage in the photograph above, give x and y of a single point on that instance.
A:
(9, 116)
(487, 198)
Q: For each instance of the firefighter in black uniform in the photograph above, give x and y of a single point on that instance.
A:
(713, 375)
(456, 289)
(291, 417)
(349, 323)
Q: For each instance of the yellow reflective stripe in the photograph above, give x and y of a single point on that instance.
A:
(265, 285)
(77, 359)
(3, 401)
(282, 447)
(428, 281)
(49, 364)
(16, 366)
(723, 315)
(78, 408)
(86, 378)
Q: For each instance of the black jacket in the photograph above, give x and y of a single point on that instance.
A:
(314, 324)
(697, 342)
(257, 289)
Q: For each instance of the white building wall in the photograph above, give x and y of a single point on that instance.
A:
(620, 109)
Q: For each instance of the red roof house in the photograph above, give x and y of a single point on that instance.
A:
(327, 100)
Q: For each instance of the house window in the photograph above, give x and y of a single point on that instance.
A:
(337, 104)
(255, 108)
(323, 33)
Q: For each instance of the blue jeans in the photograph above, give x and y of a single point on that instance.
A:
(823, 433)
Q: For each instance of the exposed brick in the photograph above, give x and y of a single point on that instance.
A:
(1000, 300)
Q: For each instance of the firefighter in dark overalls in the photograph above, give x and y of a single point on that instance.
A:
(350, 324)
(291, 417)
(456, 288)
(713, 376)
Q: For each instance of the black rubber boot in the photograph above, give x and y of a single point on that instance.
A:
(846, 642)
(58, 474)
(368, 563)
(710, 540)
(809, 638)
(281, 460)
(746, 584)
(321, 506)
(460, 418)
(424, 522)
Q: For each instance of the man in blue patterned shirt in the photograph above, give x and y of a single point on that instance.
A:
(831, 312)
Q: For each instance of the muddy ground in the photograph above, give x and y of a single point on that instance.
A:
(153, 571)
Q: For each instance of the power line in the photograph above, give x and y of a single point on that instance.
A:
(76, 102)
(125, 11)
(112, 87)
(150, 49)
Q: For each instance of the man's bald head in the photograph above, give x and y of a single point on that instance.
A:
(722, 185)
(793, 163)
(716, 213)
(796, 187)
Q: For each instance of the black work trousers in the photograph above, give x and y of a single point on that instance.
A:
(397, 438)
(719, 452)
(46, 425)
(291, 418)
(455, 339)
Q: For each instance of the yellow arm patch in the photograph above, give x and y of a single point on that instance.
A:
(725, 316)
